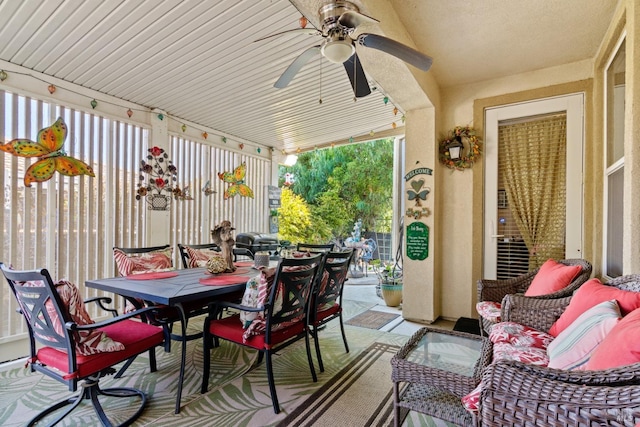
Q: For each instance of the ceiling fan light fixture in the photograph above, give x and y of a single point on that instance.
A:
(338, 51)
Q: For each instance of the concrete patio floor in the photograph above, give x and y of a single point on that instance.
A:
(364, 289)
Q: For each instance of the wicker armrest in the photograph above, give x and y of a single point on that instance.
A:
(517, 394)
(536, 313)
(496, 290)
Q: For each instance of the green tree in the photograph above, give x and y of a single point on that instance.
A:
(344, 184)
(297, 223)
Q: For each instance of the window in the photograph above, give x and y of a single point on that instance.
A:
(614, 162)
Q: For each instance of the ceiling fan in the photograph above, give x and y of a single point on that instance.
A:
(339, 20)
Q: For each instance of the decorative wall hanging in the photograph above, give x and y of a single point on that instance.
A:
(417, 213)
(157, 181)
(417, 241)
(51, 157)
(418, 191)
(236, 179)
(207, 190)
(460, 149)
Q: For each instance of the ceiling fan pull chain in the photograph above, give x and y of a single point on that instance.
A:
(320, 100)
(355, 79)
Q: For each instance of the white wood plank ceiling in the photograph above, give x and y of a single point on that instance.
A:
(198, 59)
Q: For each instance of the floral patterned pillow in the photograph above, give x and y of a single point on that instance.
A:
(147, 262)
(199, 257)
(86, 342)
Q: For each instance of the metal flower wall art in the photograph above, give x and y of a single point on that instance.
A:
(158, 178)
(236, 179)
(48, 150)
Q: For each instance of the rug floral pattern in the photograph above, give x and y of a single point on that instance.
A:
(238, 392)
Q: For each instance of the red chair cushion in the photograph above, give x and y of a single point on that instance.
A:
(329, 312)
(136, 336)
(230, 329)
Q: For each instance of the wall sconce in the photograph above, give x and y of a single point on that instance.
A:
(455, 148)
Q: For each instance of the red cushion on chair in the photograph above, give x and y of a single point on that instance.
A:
(332, 310)
(552, 277)
(136, 337)
(230, 328)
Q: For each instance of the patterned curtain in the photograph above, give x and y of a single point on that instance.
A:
(532, 158)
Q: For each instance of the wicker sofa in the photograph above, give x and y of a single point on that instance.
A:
(496, 290)
(515, 393)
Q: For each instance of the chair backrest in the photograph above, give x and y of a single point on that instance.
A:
(312, 247)
(336, 268)
(291, 291)
(130, 260)
(40, 305)
(185, 255)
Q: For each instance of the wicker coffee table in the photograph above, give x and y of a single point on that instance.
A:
(434, 369)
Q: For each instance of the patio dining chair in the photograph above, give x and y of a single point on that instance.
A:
(142, 260)
(313, 247)
(194, 255)
(276, 320)
(492, 292)
(326, 303)
(73, 349)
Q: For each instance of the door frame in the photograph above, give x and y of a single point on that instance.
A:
(573, 105)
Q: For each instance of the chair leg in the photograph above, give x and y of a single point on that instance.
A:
(206, 358)
(310, 359)
(272, 385)
(317, 345)
(344, 336)
(125, 366)
(90, 391)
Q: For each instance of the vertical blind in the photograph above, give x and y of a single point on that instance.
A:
(69, 225)
(197, 165)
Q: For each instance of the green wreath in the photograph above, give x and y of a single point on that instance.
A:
(469, 154)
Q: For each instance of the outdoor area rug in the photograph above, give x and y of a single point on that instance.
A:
(372, 319)
(238, 391)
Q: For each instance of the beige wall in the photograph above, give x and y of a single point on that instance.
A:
(459, 197)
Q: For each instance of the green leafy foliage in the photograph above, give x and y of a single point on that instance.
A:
(335, 188)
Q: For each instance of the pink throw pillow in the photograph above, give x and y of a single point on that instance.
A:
(591, 294)
(86, 342)
(621, 347)
(552, 277)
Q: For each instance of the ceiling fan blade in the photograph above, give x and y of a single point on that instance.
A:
(295, 66)
(400, 51)
(354, 70)
(310, 31)
(351, 19)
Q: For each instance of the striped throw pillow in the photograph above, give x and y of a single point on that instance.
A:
(573, 347)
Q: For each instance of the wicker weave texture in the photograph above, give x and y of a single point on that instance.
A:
(497, 290)
(525, 395)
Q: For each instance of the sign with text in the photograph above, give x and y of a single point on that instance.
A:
(274, 197)
(417, 241)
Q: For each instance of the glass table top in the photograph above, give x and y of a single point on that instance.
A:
(446, 352)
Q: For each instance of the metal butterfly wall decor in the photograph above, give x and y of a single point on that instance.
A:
(417, 193)
(236, 179)
(51, 157)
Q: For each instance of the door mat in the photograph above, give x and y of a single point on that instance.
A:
(372, 319)
(466, 324)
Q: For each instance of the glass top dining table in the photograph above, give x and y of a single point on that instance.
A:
(175, 288)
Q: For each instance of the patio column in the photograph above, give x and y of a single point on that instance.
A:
(158, 224)
(421, 287)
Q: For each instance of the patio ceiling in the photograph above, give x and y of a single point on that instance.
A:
(199, 61)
